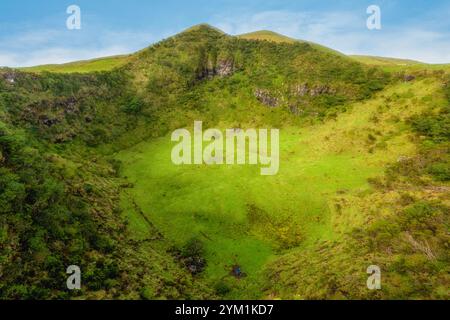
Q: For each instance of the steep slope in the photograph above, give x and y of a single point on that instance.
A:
(59, 197)
(400, 223)
(87, 177)
(109, 63)
(325, 189)
(286, 78)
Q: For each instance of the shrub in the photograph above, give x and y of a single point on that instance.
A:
(440, 171)
(222, 288)
(133, 105)
(193, 248)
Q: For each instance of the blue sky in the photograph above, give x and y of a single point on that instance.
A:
(34, 32)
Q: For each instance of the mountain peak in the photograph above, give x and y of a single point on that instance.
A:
(204, 27)
(267, 35)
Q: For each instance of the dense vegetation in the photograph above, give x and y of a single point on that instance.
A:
(86, 177)
(406, 224)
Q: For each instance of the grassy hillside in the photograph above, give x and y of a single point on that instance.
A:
(265, 35)
(87, 177)
(400, 65)
(383, 61)
(86, 66)
(325, 167)
(377, 222)
(109, 63)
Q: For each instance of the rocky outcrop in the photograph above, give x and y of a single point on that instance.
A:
(10, 77)
(266, 98)
(225, 68)
(58, 107)
(320, 90)
(60, 113)
(302, 90)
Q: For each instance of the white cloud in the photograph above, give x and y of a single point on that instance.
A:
(342, 31)
(302, 25)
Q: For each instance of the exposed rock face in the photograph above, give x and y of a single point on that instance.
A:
(266, 98)
(225, 68)
(59, 108)
(10, 77)
(301, 89)
(319, 90)
(304, 89)
(46, 114)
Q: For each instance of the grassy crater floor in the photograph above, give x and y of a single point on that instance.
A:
(247, 219)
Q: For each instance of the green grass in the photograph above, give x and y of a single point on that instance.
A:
(317, 162)
(395, 65)
(292, 234)
(85, 66)
(384, 61)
